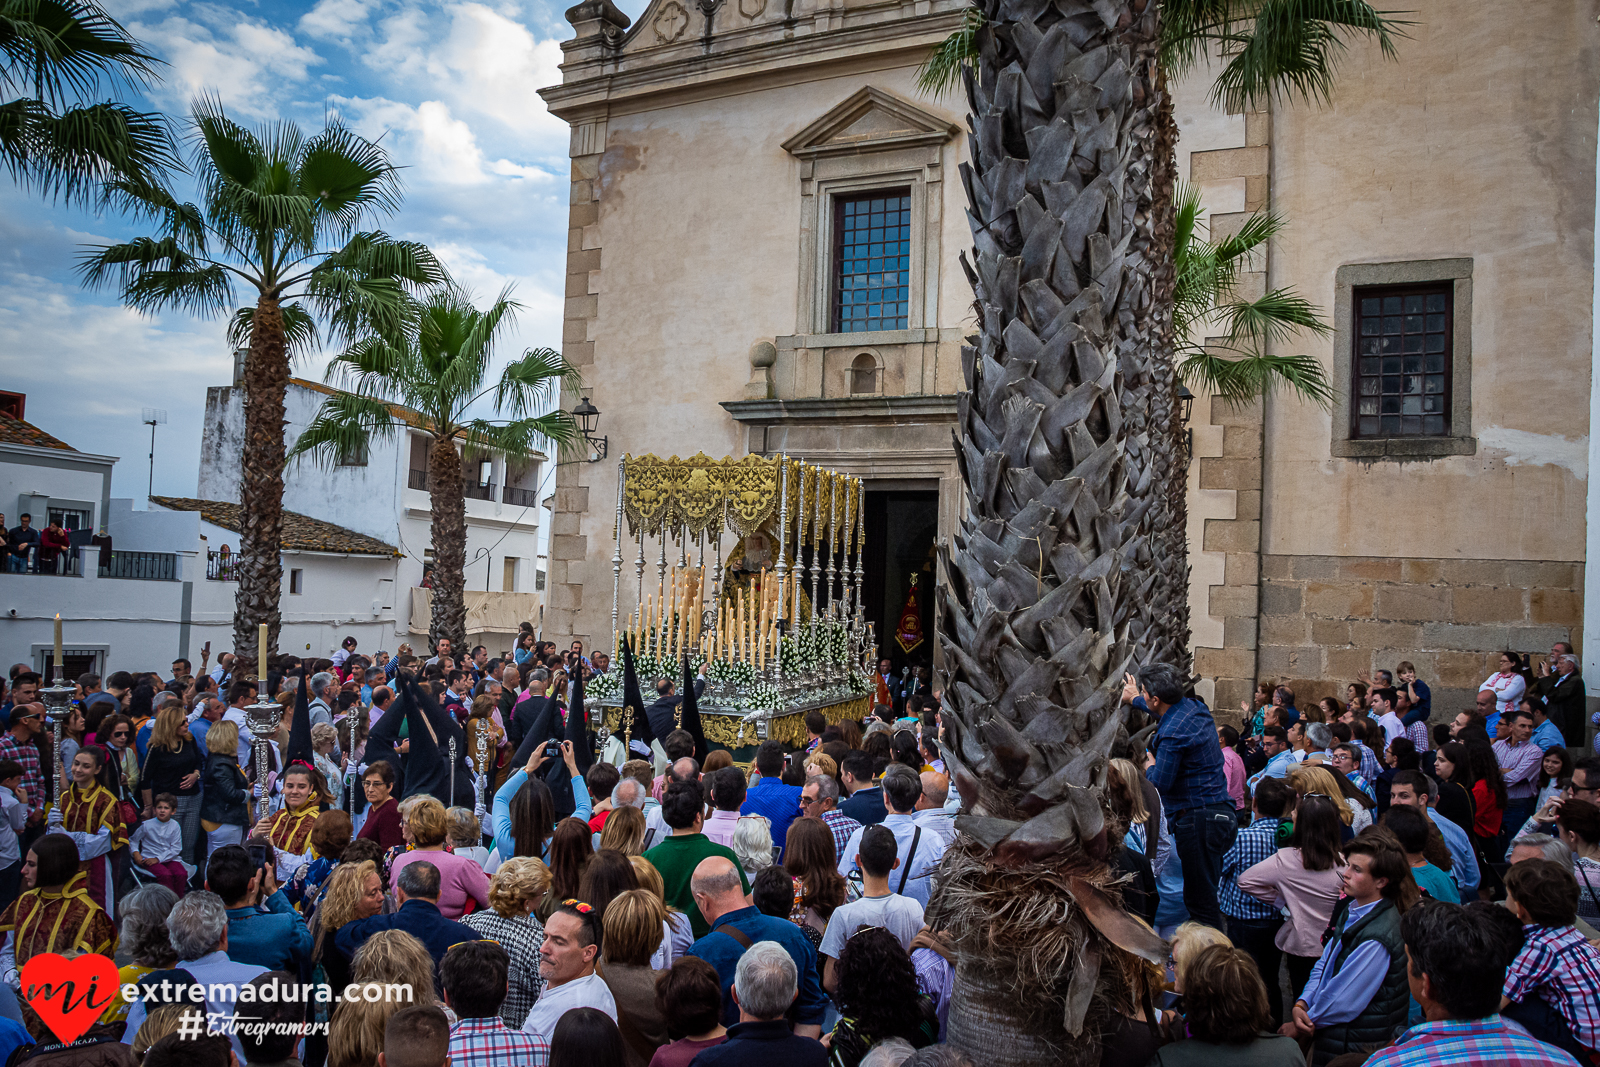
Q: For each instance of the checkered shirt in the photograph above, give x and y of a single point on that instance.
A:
(842, 826)
(487, 1043)
(1361, 783)
(1417, 734)
(1558, 964)
(24, 753)
(1370, 767)
(1469, 1043)
(1254, 843)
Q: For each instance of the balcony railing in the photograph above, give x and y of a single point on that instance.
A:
(222, 567)
(521, 498)
(418, 480)
(67, 563)
(478, 492)
(145, 566)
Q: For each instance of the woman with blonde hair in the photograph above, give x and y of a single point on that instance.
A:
(392, 957)
(460, 877)
(821, 764)
(225, 803)
(680, 935)
(633, 926)
(514, 892)
(1187, 941)
(172, 764)
(1307, 779)
(353, 891)
(624, 831)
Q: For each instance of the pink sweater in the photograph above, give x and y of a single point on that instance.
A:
(460, 877)
(1282, 881)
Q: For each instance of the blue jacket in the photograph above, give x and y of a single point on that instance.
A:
(865, 806)
(723, 952)
(419, 918)
(770, 1044)
(276, 938)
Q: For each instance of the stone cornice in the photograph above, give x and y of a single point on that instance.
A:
(852, 408)
(767, 59)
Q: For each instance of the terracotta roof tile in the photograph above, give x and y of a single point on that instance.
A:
(299, 531)
(17, 432)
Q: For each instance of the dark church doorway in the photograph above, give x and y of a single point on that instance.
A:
(901, 527)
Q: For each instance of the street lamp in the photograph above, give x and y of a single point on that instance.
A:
(1185, 408)
(588, 418)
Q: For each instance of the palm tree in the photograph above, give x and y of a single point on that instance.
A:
(1268, 47)
(61, 53)
(280, 213)
(1043, 602)
(438, 370)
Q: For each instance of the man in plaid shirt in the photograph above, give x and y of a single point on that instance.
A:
(17, 743)
(1252, 925)
(820, 798)
(1455, 961)
(1553, 986)
(474, 979)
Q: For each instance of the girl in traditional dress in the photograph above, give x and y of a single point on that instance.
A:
(57, 914)
(305, 796)
(87, 813)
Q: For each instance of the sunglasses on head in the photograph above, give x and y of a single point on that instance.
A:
(577, 905)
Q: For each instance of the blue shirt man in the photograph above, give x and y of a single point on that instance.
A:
(1186, 769)
(768, 795)
(1275, 743)
(735, 926)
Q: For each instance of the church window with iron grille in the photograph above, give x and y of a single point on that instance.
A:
(1400, 381)
(872, 261)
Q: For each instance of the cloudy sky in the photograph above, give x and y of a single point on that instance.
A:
(452, 90)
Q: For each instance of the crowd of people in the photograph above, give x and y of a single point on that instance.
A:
(1352, 882)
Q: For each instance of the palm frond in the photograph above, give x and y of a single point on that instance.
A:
(1293, 47)
(1240, 378)
(68, 155)
(346, 423)
(941, 71)
(347, 177)
(66, 48)
(1272, 318)
(531, 381)
(153, 275)
(520, 437)
(1256, 230)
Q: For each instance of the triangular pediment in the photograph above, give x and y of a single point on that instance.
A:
(870, 120)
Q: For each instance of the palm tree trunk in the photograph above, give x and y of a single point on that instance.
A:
(1170, 472)
(449, 514)
(1047, 599)
(260, 566)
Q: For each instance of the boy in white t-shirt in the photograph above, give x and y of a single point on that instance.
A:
(878, 906)
(157, 844)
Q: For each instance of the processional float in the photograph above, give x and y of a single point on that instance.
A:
(777, 622)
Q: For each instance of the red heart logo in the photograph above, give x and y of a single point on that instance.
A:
(69, 995)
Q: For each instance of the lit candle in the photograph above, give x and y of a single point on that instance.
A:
(261, 662)
(60, 667)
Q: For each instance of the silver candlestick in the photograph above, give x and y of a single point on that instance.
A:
(262, 719)
(452, 745)
(58, 707)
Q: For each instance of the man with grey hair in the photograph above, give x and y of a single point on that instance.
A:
(736, 926)
(1315, 737)
(631, 793)
(891, 1052)
(197, 926)
(1185, 765)
(765, 983)
(820, 798)
(320, 709)
(1562, 693)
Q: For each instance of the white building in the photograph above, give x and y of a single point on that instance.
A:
(355, 549)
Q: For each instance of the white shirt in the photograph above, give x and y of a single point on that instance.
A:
(589, 991)
(236, 716)
(900, 915)
(938, 820)
(13, 816)
(916, 868)
(1393, 726)
(157, 840)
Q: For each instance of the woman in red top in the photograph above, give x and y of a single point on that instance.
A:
(383, 811)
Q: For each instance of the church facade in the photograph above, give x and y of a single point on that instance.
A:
(765, 222)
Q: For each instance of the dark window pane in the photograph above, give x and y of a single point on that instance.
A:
(1435, 342)
(1391, 365)
(1369, 347)
(1411, 424)
(1369, 364)
(1391, 405)
(1391, 305)
(1435, 364)
(1433, 424)
(1435, 323)
(1413, 384)
(1413, 343)
(1391, 324)
(1436, 302)
(1369, 386)
(1435, 383)
(1389, 424)
(1391, 384)
(1413, 322)
(1369, 327)
(1368, 427)
(1391, 344)
(1369, 306)
(1413, 364)
(1413, 305)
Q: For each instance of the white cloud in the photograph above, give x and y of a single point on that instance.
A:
(338, 21)
(440, 147)
(247, 62)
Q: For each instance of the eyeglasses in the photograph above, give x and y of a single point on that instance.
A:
(763, 818)
(577, 905)
(806, 802)
(119, 733)
(862, 930)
